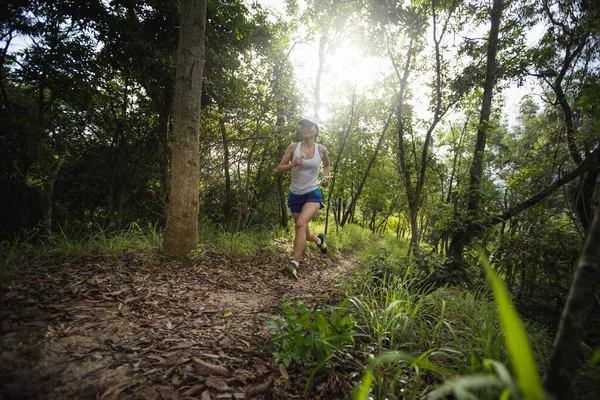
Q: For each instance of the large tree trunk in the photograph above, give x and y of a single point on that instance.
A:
(181, 233)
(460, 240)
(580, 302)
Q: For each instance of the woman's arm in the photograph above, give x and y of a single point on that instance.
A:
(285, 165)
(326, 166)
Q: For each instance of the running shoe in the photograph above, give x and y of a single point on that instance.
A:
(323, 245)
(291, 271)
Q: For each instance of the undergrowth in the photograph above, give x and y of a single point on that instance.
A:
(414, 336)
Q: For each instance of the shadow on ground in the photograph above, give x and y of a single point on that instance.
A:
(134, 326)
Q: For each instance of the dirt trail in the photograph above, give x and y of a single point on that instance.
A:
(91, 326)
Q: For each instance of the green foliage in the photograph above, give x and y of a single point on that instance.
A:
(239, 245)
(73, 238)
(586, 381)
(352, 238)
(517, 342)
(309, 337)
(457, 333)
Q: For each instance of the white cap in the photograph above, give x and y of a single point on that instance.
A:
(310, 118)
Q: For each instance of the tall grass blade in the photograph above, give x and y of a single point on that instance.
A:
(596, 357)
(517, 343)
(394, 356)
(365, 386)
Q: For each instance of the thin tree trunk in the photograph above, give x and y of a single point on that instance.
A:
(585, 196)
(283, 222)
(585, 190)
(243, 212)
(164, 153)
(228, 195)
(366, 174)
(455, 159)
(563, 359)
(181, 233)
(404, 171)
(322, 57)
(339, 157)
(460, 240)
(414, 194)
(48, 193)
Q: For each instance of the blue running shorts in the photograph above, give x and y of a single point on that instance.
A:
(297, 201)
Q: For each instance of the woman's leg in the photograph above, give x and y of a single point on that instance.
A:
(311, 237)
(302, 232)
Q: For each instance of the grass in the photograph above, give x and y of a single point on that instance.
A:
(418, 336)
(241, 245)
(351, 239)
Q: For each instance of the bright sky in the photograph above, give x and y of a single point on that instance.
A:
(348, 61)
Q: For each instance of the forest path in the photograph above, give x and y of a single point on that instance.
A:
(134, 326)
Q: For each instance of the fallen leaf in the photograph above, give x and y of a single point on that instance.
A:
(130, 299)
(205, 395)
(261, 388)
(119, 292)
(207, 368)
(114, 391)
(262, 369)
(176, 380)
(227, 314)
(218, 383)
(283, 371)
(193, 390)
(244, 374)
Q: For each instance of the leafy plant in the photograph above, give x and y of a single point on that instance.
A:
(309, 337)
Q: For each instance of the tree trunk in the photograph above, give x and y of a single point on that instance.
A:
(243, 212)
(181, 233)
(366, 174)
(580, 302)
(585, 190)
(48, 193)
(228, 195)
(322, 57)
(460, 240)
(282, 203)
(163, 143)
(338, 158)
(585, 197)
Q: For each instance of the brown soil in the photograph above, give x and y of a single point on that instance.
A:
(137, 327)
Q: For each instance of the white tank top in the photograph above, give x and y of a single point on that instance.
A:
(305, 177)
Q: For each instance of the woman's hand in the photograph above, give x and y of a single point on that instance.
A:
(325, 181)
(298, 161)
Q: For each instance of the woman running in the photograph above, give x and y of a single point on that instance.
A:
(304, 199)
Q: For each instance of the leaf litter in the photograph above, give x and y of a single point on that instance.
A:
(88, 325)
